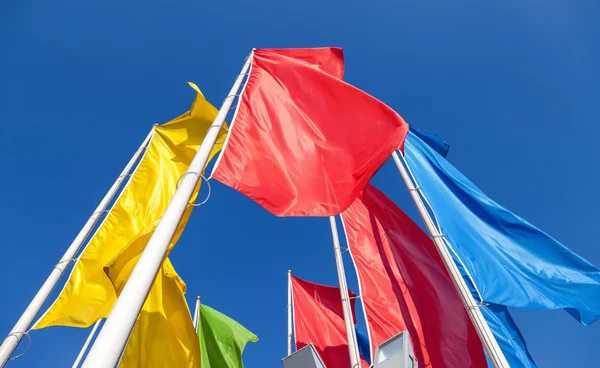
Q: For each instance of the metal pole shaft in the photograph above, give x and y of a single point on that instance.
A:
(483, 330)
(289, 313)
(112, 338)
(87, 343)
(197, 313)
(346, 305)
(17, 332)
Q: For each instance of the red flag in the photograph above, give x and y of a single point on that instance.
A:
(404, 283)
(303, 142)
(319, 319)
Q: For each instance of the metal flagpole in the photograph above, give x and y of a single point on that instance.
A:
(87, 343)
(289, 313)
(346, 305)
(197, 313)
(20, 329)
(112, 338)
(483, 330)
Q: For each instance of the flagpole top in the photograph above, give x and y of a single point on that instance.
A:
(289, 272)
(155, 124)
(198, 298)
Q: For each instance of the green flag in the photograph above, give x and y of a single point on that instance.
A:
(222, 340)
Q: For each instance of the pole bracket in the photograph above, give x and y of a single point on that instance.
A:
(200, 176)
(63, 261)
(14, 334)
(220, 127)
(99, 213)
(234, 96)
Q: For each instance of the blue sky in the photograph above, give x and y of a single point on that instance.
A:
(512, 85)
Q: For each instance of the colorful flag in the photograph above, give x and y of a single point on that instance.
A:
(222, 340)
(163, 335)
(512, 262)
(364, 346)
(88, 294)
(303, 142)
(319, 319)
(404, 285)
(508, 336)
(498, 317)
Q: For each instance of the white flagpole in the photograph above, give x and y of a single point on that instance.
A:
(20, 328)
(483, 330)
(111, 341)
(87, 343)
(197, 314)
(346, 305)
(289, 313)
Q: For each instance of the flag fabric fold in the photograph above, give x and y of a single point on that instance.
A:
(404, 285)
(432, 140)
(88, 294)
(319, 319)
(303, 142)
(163, 335)
(512, 262)
(508, 336)
(222, 340)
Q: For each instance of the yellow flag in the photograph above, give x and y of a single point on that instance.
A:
(89, 294)
(164, 334)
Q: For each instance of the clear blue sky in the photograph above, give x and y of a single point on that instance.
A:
(513, 85)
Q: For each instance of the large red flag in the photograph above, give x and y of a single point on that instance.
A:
(404, 285)
(319, 319)
(303, 142)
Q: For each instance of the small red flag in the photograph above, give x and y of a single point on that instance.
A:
(319, 319)
(303, 142)
(404, 285)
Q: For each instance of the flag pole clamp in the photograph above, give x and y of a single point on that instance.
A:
(14, 334)
(234, 96)
(99, 213)
(63, 261)
(221, 127)
(200, 176)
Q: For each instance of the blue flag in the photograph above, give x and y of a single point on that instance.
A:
(508, 336)
(503, 327)
(512, 262)
(435, 142)
(364, 347)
